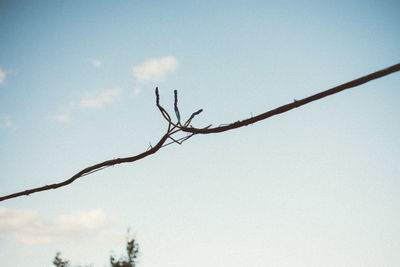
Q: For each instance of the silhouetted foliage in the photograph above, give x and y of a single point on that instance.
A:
(132, 249)
(59, 262)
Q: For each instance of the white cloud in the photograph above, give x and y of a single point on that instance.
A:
(97, 63)
(154, 70)
(3, 76)
(27, 227)
(60, 117)
(94, 100)
(14, 219)
(5, 122)
(99, 99)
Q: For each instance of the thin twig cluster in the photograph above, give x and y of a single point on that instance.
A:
(175, 127)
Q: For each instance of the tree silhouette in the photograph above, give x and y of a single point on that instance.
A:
(132, 250)
(177, 127)
(59, 262)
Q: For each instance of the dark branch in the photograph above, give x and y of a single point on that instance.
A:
(174, 128)
(296, 103)
(90, 169)
(178, 116)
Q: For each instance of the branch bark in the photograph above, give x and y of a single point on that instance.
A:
(90, 170)
(177, 127)
(296, 103)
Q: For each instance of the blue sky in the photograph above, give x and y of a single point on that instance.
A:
(317, 186)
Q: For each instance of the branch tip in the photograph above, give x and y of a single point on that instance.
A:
(178, 116)
(157, 98)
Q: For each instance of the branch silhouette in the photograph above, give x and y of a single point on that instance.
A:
(174, 128)
(296, 103)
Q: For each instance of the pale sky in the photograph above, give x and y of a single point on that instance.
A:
(317, 186)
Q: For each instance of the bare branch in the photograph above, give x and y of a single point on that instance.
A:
(89, 170)
(175, 128)
(296, 103)
(108, 163)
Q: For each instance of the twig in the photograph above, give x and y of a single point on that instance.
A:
(179, 141)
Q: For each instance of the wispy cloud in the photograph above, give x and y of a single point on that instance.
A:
(63, 117)
(3, 76)
(97, 63)
(27, 227)
(90, 101)
(5, 122)
(136, 91)
(154, 70)
(94, 100)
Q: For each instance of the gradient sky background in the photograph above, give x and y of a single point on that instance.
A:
(317, 186)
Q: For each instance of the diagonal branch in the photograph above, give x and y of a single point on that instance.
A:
(296, 103)
(90, 170)
(174, 128)
(109, 163)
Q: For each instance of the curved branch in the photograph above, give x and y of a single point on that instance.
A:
(90, 170)
(296, 103)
